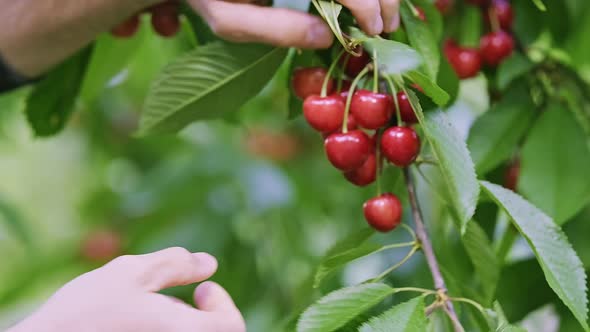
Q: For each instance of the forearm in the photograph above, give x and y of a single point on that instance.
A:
(37, 35)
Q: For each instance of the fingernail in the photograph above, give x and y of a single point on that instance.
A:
(377, 25)
(319, 34)
(394, 24)
(206, 261)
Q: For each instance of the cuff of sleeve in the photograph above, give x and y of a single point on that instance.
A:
(10, 79)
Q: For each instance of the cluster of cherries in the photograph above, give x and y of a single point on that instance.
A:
(346, 125)
(165, 19)
(494, 46)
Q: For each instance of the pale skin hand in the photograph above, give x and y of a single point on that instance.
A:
(121, 297)
(37, 35)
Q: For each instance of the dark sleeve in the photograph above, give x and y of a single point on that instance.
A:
(9, 78)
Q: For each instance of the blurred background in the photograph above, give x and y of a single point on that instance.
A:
(255, 190)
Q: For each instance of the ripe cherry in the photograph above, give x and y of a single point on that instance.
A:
(383, 213)
(355, 64)
(371, 110)
(480, 3)
(400, 145)
(502, 10)
(350, 125)
(444, 6)
(465, 61)
(511, 176)
(405, 108)
(348, 151)
(309, 81)
(324, 114)
(128, 28)
(364, 175)
(495, 47)
(102, 245)
(421, 14)
(165, 18)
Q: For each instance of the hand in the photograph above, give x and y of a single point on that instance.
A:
(243, 21)
(121, 297)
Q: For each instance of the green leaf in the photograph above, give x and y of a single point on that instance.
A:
(404, 317)
(554, 159)
(331, 263)
(495, 135)
(482, 255)
(346, 247)
(512, 68)
(561, 265)
(447, 79)
(540, 5)
(109, 57)
(421, 39)
(393, 57)
(431, 89)
(208, 83)
(471, 23)
(15, 222)
(503, 325)
(454, 162)
(339, 307)
(53, 99)
(434, 19)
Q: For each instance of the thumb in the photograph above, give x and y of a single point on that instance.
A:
(209, 296)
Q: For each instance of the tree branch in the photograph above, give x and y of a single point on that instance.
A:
(439, 282)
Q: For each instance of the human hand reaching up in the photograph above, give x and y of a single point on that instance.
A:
(245, 21)
(122, 297)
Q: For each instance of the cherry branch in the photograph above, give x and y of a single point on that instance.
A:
(439, 282)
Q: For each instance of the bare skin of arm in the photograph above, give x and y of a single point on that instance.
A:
(37, 35)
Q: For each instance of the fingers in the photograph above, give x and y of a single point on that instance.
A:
(213, 300)
(367, 13)
(390, 14)
(211, 297)
(249, 23)
(166, 268)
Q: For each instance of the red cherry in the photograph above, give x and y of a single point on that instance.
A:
(478, 2)
(371, 110)
(444, 6)
(405, 108)
(102, 245)
(511, 176)
(350, 125)
(355, 64)
(309, 81)
(165, 18)
(346, 84)
(421, 14)
(466, 61)
(400, 145)
(495, 47)
(324, 114)
(383, 213)
(364, 175)
(503, 11)
(348, 151)
(128, 28)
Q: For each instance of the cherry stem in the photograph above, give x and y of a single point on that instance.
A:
(378, 160)
(415, 289)
(395, 101)
(349, 98)
(478, 306)
(400, 263)
(439, 282)
(341, 77)
(333, 66)
(375, 73)
(494, 22)
(413, 8)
